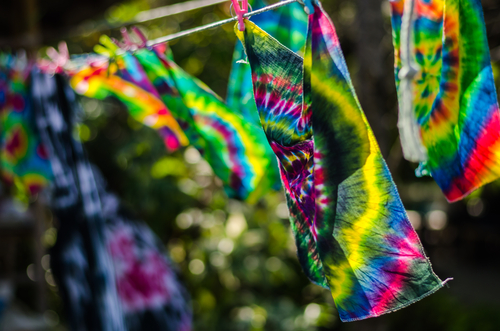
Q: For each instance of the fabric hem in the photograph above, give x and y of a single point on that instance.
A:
(435, 289)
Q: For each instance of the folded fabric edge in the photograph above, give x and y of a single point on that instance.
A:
(432, 291)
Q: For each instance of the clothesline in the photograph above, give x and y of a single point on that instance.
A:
(150, 15)
(184, 33)
(180, 8)
(167, 38)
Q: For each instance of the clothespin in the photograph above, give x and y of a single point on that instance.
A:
(309, 5)
(61, 57)
(141, 36)
(108, 48)
(59, 60)
(126, 38)
(240, 11)
(128, 44)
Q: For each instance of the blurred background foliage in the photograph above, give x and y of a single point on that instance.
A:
(238, 260)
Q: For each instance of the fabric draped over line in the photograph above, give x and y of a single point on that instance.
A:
(125, 80)
(236, 149)
(454, 98)
(351, 229)
(103, 260)
(288, 24)
(24, 159)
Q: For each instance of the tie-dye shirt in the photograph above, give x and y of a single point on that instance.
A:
(454, 98)
(352, 233)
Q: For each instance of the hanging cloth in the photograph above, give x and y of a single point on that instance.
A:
(110, 269)
(288, 24)
(24, 160)
(125, 80)
(453, 96)
(236, 149)
(352, 233)
(148, 285)
(80, 261)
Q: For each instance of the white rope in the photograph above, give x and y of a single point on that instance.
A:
(184, 33)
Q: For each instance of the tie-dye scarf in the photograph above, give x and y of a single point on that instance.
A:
(454, 97)
(126, 80)
(350, 226)
(288, 24)
(24, 159)
(236, 149)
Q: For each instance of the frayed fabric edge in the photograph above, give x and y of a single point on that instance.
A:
(443, 283)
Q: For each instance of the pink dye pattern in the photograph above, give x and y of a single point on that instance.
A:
(408, 248)
(233, 162)
(394, 286)
(142, 281)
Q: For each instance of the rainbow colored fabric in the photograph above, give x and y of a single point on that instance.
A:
(352, 233)
(236, 149)
(288, 24)
(126, 80)
(455, 101)
(24, 159)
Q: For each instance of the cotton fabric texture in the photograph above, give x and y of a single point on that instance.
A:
(351, 230)
(454, 97)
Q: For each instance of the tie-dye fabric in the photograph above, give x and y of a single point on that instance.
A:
(236, 149)
(111, 270)
(352, 233)
(80, 263)
(126, 80)
(24, 159)
(147, 282)
(454, 96)
(288, 24)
